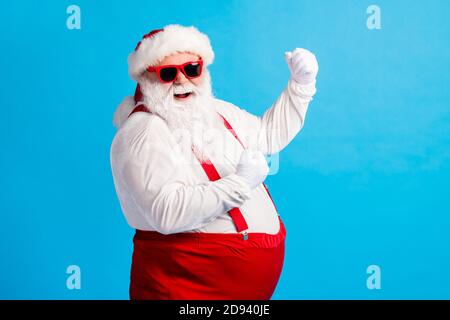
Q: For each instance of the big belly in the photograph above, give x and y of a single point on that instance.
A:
(258, 211)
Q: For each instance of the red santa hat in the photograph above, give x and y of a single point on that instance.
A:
(160, 43)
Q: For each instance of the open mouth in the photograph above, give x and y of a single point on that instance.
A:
(182, 95)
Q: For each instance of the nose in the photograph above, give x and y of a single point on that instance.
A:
(181, 79)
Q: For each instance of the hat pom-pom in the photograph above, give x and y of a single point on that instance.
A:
(123, 111)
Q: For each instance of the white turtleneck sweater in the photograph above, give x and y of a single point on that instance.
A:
(160, 191)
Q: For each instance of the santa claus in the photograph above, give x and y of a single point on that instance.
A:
(189, 172)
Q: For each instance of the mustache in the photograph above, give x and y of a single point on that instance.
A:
(183, 88)
(159, 91)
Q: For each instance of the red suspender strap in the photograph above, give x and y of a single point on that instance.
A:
(239, 221)
(213, 175)
(230, 128)
(235, 213)
(139, 108)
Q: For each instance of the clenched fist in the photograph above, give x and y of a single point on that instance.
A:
(252, 167)
(303, 66)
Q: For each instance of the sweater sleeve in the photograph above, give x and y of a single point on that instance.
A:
(279, 124)
(163, 184)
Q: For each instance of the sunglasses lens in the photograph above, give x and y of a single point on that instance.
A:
(168, 74)
(193, 70)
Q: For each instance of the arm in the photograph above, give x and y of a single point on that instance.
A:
(284, 119)
(165, 188)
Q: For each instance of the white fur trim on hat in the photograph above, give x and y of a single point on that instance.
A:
(173, 38)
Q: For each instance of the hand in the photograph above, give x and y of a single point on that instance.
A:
(303, 65)
(252, 167)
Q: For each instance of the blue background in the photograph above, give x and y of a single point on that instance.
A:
(365, 182)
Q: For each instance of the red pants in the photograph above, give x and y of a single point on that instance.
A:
(206, 265)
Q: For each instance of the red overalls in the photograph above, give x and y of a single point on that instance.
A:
(219, 266)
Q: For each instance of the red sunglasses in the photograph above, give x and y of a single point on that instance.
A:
(169, 73)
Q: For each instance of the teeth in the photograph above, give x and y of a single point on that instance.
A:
(180, 93)
(184, 95)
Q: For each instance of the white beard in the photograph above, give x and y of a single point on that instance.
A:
(192, 122)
